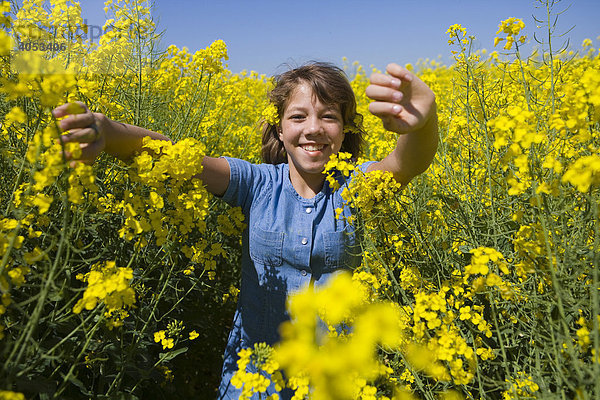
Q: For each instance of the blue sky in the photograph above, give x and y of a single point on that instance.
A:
(262, 35)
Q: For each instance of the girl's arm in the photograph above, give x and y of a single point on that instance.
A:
(407, 106)
(96, 134)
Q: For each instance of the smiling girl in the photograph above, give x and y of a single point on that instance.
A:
(293, 238)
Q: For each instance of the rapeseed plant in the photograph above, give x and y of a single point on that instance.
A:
(480, 276)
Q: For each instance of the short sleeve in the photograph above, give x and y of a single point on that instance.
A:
(363, 167)
(245, 181)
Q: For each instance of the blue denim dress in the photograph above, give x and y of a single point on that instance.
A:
(289, 242)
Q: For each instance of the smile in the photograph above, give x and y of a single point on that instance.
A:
(313, 147)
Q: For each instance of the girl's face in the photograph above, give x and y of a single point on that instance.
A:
(310, 131)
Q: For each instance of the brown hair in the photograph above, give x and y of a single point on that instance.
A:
(331, 86)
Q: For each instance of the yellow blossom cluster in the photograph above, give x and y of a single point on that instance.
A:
(583, 173)
(260, 360)
(522, 386)
(166, 342)
(231, 223)
(333, 363)
(458, 36)
(8, 395)
(585, 337)
(109, 284)
(511, 27)
(337, 169)
(271, 115)
(169, 338)
(483, 276)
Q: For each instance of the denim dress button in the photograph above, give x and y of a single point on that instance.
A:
(308, 210)
(304, 240)
(303, 272)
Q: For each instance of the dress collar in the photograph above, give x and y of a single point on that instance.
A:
(325, 190)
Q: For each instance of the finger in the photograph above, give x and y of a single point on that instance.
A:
(77, 107)
(90, 151)
(399, 72)
(76, 121)
(384, 109)
(383, 93)
(83, 135)
(385, 80)
(67, 155)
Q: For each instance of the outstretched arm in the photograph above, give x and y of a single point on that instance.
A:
(97, 133)
(406, 106)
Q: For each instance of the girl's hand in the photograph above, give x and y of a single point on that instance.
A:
(402, 100)
(84, 127)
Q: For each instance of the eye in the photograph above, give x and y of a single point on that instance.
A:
(330, 116)
(296, 116)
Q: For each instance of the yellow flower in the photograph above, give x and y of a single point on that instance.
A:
(108, 284)
(159, 336)
(271, 115)
(8, 395)
(167, 343)
(43, 202)
(511, 27)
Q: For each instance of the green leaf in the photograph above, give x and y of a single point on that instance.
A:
(172, 354)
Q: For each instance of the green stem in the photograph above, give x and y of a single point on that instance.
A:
(75, 363)
(142, 331)
(594, 300)
(32, 322)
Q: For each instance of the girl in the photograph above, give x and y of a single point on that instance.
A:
(293, 238)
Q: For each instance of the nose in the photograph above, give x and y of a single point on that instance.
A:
(313, 126)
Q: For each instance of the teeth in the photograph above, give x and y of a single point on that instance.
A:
(312, 147)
